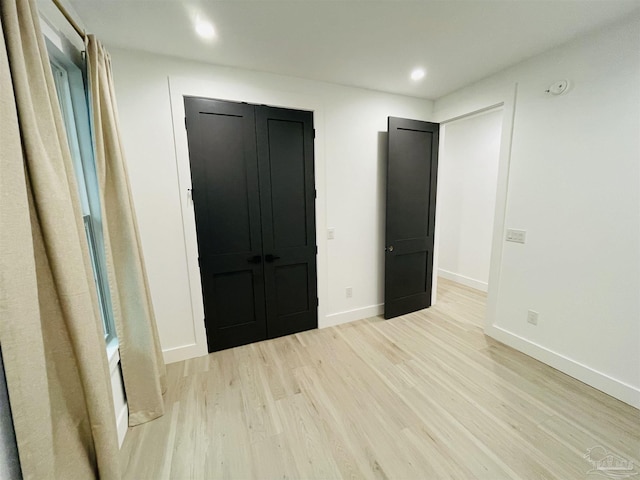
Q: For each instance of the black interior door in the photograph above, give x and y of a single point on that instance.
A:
(287, 192)
(411, 210)
(224, 177)
(254, 200)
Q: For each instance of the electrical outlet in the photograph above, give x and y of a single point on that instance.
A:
(331, 233)
(349, 292)
(532, 317)
(517, 236)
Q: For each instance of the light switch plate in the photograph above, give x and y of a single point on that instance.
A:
(517, 236)
(331, 233)
(532, 317)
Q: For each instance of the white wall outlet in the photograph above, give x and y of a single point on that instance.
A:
(349, 292)
(517, 236)
(331, 233)
(532, 317)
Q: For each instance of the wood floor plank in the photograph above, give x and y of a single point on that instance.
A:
(310, 446)
(424, 396)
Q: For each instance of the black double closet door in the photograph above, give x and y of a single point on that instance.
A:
(252, 173)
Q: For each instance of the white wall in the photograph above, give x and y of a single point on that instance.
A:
(467, 177)
(349, 176)
(573, 185)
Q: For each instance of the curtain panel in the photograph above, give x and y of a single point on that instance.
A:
(143, 367)
(50, 328)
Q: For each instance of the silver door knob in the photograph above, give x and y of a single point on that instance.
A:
(390, 248)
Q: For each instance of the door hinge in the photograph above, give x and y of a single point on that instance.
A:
(316, 249)
(317, 301)
(314, 133)
(315, 194)
(185, 124)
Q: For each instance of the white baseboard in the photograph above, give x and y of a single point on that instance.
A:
(122, 424)
(469, 282)
(351, 315)
(184, 352)
(617, 389)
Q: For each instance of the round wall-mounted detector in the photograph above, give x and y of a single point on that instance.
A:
(558, 88)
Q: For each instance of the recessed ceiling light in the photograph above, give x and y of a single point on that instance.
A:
(418, 74)
(205, 29)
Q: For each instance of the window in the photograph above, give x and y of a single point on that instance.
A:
(73, 98)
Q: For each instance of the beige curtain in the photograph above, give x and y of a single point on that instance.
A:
(143, 368)
(50, 329)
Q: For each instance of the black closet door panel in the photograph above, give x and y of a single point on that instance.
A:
(227, 191)
(234, 305)
(290, 307)
(233, 298)
(234, 309)
(224, 176)
(287, 196)
(292, 284)
(287, 175)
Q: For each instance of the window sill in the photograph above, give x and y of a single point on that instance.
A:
(113, 355)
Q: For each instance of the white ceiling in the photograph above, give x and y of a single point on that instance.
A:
(371, 44)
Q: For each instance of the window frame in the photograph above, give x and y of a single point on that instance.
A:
(73, 95)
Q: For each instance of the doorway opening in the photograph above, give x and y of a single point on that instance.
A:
(467, 187)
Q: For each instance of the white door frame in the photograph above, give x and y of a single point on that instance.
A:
(504, 98)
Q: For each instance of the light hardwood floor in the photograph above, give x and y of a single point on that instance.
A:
(424, 396)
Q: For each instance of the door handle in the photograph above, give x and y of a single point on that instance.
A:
(255, 259)
(389, 248)
(270, 258)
